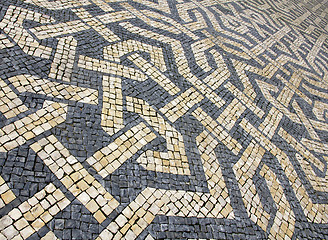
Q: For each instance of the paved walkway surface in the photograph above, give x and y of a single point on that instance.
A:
(163, 119)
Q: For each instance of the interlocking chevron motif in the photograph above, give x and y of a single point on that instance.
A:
(163, 119)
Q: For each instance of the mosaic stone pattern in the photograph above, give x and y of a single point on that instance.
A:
(163, 119)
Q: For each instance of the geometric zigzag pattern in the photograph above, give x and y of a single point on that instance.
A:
(166, 119)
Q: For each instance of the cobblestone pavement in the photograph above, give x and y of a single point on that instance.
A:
(166, 119)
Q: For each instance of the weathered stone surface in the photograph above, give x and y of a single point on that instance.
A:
(163, 119)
